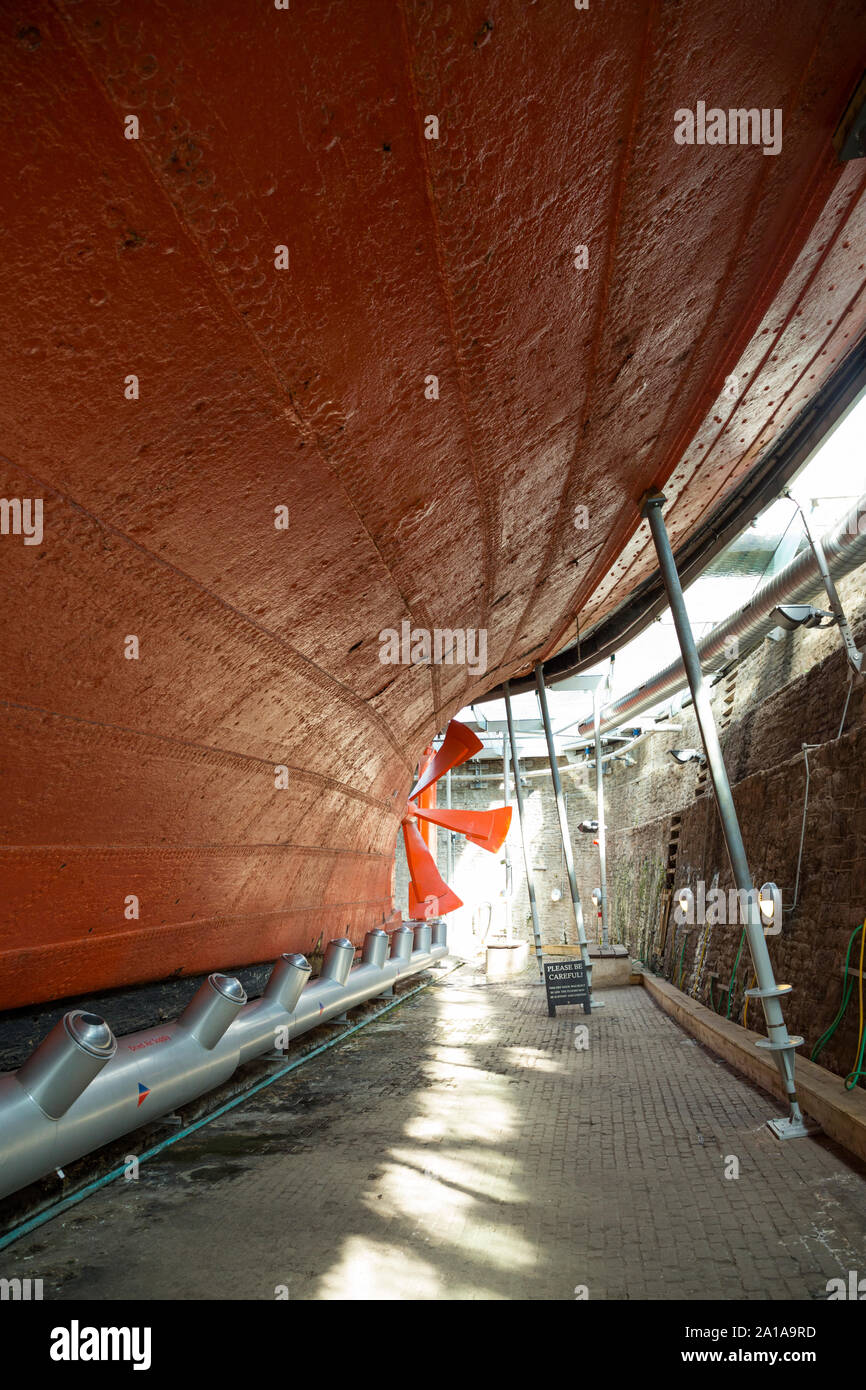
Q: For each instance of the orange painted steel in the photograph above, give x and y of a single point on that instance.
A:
(459, 744)
(433, 896)
(146, 829)
(487, 829)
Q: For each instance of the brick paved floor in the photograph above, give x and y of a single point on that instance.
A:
(464, 1148)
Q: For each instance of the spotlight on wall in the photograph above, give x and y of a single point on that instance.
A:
(687, 755)
(684, 900)
(596, 896)
(794, 615)
(588, 827)
(770, 903)
(555, 895)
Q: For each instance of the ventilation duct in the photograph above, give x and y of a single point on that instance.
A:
(845, 549)
(82, 1089)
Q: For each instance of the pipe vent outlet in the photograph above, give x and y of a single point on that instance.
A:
(439, 933)
(375, 948)
(202, 1050)
(338, 960)
(422, 934)
(62, 1067)
(287, 979)
(212, 1008)
(402, 941)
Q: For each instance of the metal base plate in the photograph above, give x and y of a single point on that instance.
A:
(792, 1129)
(597, 1003)
(793, 1040)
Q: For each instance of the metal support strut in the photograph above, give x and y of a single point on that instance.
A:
(524, 838)
(778, 1040)
(563, 823)
(602, 830)
(855, 657)
(509, 877)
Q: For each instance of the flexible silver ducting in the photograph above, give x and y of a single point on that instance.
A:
(742, 632)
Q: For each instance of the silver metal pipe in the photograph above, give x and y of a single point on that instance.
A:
(524, 836)
(402, 942)
(82, 1089)
(602, 834)
(564, 833)
(844, 549)
(73, 1054)
(215, 1004)
(375, 950)
(509, 873)
(338, 960)
(778, 1040)
(288, 977)
(423, 937)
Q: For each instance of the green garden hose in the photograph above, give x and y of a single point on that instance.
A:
(734, 973)
(847, 990)
(854, 1076)
(682, 954)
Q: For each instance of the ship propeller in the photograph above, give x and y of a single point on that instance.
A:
(487, 829)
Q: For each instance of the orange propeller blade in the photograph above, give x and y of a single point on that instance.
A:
(458, 744)
(425, 877)
(485, 828)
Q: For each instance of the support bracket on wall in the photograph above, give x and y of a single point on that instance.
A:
(855, 656)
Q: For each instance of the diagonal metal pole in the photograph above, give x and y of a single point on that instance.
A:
(524, 834)
(602, 832)
(563, 822)
(778, 1041)
(855, 657)
(506, 788)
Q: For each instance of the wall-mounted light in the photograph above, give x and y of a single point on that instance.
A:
(588, 827)
(555, 895)
(770, 903)
(596, 896)
(687, 755)
(794, 615)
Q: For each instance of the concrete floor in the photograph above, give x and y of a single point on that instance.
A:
(464, 1148)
